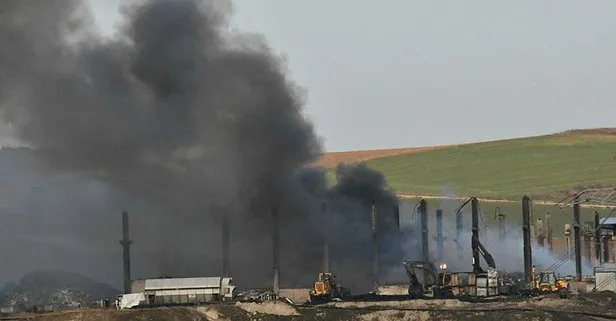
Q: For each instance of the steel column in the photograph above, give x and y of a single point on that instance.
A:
(528, 260)
(126, 243)
(225, 246)
(577, 238)
(439, 234)
(597, 238)
(475, 234)
(275, 250)
(375, 249)
(423, 213)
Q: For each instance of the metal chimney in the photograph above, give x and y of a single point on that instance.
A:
(528, 260)
(126, 242)
(276, 250)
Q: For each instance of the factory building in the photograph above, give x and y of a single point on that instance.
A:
(175, 291)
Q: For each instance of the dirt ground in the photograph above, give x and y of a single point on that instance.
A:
(595, 306)
(330, 160)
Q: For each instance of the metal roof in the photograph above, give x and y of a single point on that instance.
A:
(608, 221)
(184, 283)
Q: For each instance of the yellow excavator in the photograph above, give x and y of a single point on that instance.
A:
(326, 289)
(547, 281)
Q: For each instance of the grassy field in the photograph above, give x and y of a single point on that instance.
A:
(544, 167)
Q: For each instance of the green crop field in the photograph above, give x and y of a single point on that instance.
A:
(543, 167)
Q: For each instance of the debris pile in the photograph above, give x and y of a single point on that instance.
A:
(53, 291)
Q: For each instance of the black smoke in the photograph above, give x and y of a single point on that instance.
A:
(180, 121)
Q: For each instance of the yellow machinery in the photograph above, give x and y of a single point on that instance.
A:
(548, 282)
(326, 288)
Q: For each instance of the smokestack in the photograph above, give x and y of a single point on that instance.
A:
(126, 242)
(375, 248)
(275, 250)
(459, 226)
(439, 234)
(325, 231)
(475, 234)
(225, 247)
(577, 238)
(597, 238)
(423, 212)
(528, 261)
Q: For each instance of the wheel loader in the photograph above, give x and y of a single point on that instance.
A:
(327, 288)
(547, 281)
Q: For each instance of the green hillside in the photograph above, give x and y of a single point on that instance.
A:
(544, 167)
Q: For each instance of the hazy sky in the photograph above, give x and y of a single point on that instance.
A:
(400, 73)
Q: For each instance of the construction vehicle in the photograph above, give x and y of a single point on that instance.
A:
(545, 282)
(327, 288)
(434, 282)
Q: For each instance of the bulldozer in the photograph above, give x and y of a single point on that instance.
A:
(327, 288)
(547, 281)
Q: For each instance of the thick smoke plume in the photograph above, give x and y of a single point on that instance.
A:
(179, 121)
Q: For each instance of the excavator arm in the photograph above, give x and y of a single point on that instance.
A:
(486, 255)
